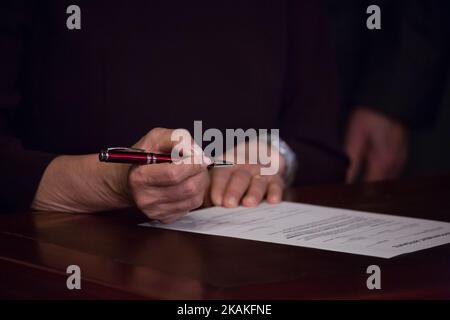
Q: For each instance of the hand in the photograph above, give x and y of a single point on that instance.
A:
(166, 192)
(243, 183)
(379, 140)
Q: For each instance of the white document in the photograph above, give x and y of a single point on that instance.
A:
(310, 226)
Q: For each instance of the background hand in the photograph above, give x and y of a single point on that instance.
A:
(380, 141)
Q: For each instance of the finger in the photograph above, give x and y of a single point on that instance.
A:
(182, 206)
(355, 147)
(275, 190)
(256, 191)
(374, 171)
(207, 202)
(385, 161)
(382, 165)
(158, 140)
(167, 210)
(178, 142)
(219, 182)
(166, 174)
(187, 150)
(163, 216)
(236, 188)
(173, 218)
(191, 187)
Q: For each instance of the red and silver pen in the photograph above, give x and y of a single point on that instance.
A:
(140, 156)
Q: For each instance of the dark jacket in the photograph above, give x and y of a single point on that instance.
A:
(398, 70)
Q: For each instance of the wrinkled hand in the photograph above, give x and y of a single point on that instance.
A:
(244, 184)
(166, 192)
(380, 141)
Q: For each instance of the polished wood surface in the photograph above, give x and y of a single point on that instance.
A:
(120, 260)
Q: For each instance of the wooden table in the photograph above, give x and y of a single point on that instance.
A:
(118, 259)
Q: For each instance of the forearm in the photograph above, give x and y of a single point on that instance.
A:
(82, 184)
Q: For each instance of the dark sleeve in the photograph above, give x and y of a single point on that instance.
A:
(310, 118)
(20, 169)
(405, 62)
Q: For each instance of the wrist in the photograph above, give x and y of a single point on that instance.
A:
(288, 160)
(81, 184)
(114, 181)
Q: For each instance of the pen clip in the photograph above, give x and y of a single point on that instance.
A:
(125, 149)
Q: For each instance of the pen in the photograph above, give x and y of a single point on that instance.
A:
(141, 156)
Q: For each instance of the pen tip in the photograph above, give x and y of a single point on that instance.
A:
(221, 164)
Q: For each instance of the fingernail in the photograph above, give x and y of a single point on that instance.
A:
(274, 199)
(250, 201)
(217, 201)
(232, 202)
(207, 160)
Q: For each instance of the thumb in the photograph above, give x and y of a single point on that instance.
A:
(186, 149)
(157, 140)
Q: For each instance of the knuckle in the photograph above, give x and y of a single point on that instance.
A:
(156, 131)
(141, 202)
(246, 174)
(155, 211)
(156, 134)
(150, 213)
(190, 188)
(184, 132)
(135, 178)
(146, 202)
(173, 175)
